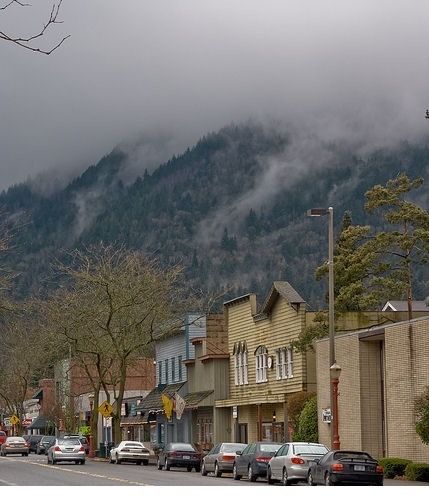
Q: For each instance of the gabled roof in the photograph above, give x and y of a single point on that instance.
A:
(402, 305)
(283, 289)
(194, 399)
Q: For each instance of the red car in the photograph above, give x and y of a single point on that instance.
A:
(2, 437)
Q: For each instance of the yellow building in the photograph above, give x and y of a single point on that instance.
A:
(264, 370)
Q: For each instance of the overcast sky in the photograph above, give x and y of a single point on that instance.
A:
(177, 69)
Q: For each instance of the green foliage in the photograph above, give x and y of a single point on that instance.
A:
(295, 405)
(422, 414)
(417, 472)
(307, 423)
(317, 330)
(85, 430)
(394, 466)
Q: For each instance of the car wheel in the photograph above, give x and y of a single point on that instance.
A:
(111, 460)
(234, 473)
(328, 481)
(82, 462)
(166, 465)
(53, 461)
(158, 464)
(203, 469)
(118, 461)
(217, 472)
(198, 468)
(285, 480)
(250, 475)
(189, 469)
(269, 478)
(310, 480)
(145, 462)
(48, 460)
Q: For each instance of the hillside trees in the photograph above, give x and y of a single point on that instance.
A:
(115, 305)
(31, 41)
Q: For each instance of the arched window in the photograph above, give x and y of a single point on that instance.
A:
(261, 360)
(240, 363)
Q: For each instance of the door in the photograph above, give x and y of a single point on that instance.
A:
(277, 462)
(210, 458)
(242, 433)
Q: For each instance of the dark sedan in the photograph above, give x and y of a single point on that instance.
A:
(221, 458)
(44, 444)
(252, 461)
(179, 455)
(345, 467)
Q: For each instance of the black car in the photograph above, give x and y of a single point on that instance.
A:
(252, 461)
(179, 455)
(345, 467)
(33, 440)
(44, 444)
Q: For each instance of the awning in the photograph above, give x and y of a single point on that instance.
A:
(38, 394)
(41, 423)
(196, 399)
(153, 401)
(138, 420)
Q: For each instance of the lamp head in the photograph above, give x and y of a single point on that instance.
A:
(335, 370)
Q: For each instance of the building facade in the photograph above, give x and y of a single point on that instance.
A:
(383, 371)
(264, 370)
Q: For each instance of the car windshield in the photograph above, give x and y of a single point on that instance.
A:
(269, 448)
(14, 439)
(134, 444)
(311, 449)
(182, 447)
(47, 439)
(83, 440)
(68, 442)
(352, 454)
(233, 447)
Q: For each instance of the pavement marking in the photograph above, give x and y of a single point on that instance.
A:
(73, 471)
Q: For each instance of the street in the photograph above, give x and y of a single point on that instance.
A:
(34, 471)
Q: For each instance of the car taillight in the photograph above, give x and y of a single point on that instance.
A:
(379, 469)
(172, 454)
(297, 460)
(125, 449)
(81, 448)
(263, 459)
(227, 457)
(337, 467)
(57, 448)
(27, 444)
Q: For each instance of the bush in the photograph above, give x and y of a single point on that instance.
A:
(394, 466)
(295, 405)
(417, 472)
(422, 414)
(307, 423)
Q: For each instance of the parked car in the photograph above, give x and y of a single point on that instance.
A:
(44, 444)
(179, 455)
(345, 467)
(252, 461)
(291, 462)
(82, 439)
(66, 450)
(221, 458)
(33, 441)
(130, 451)
(14, 445)
(3, 437)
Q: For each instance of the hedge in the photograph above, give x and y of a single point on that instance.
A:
(417, 472)
(394, 466)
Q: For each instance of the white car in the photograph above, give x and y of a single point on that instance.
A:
(129, 451)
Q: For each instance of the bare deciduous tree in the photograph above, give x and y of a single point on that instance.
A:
(30, 42)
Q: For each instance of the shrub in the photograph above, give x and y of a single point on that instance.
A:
(417, 472)
(422, 414)
(394, 466)
(307, 423)
(295, 405)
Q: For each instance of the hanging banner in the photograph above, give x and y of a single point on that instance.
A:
(168, 405)
(180, 406)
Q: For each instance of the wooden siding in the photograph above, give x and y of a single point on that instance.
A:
(278, 330)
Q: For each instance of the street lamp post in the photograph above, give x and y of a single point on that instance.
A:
(335, 371)
(91, 453)
(318, 212)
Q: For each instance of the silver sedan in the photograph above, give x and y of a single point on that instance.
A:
(129, 451)
(291, 462)
(66, 450)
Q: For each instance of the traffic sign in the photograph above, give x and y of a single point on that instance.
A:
(105, 409)
(14, 420)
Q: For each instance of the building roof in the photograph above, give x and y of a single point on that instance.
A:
(153, 401)
(38, 394)
(41, 423)
(402, 305)
(283, 289)
(137, 420)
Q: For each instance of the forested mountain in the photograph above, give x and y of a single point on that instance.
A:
(231, 209)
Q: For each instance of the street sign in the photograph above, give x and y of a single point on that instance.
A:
(105, 409)
(14, 420)
(234, 412)
(26, 422)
